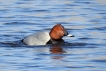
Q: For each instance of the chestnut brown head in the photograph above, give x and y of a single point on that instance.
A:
(57, 32)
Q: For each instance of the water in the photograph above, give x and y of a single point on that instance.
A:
(85, 19)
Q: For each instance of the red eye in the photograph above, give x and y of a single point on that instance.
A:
(62, 28)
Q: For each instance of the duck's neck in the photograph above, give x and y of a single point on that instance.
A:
(55, 41)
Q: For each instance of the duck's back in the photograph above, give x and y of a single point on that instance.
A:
(40, 38)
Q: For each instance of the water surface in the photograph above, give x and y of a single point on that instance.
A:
(85, 19)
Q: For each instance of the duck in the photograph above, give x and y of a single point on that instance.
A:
(53, 37)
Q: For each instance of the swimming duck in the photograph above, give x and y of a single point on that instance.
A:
(42, 38)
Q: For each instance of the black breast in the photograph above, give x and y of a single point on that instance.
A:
(53, 41)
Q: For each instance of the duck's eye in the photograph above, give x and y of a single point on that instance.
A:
(62, 29)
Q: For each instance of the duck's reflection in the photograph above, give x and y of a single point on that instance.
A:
(57, 50)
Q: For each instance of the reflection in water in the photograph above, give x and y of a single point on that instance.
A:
(57, 50)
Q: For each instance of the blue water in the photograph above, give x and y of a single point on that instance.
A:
(85, 19)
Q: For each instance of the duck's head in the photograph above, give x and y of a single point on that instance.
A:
(58, 31)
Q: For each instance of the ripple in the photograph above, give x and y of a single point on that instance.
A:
(85, 19)
(85, 38)
(18, 23)
(103, 61)
(98, 28)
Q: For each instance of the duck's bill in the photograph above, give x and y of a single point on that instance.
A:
(69, 35)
